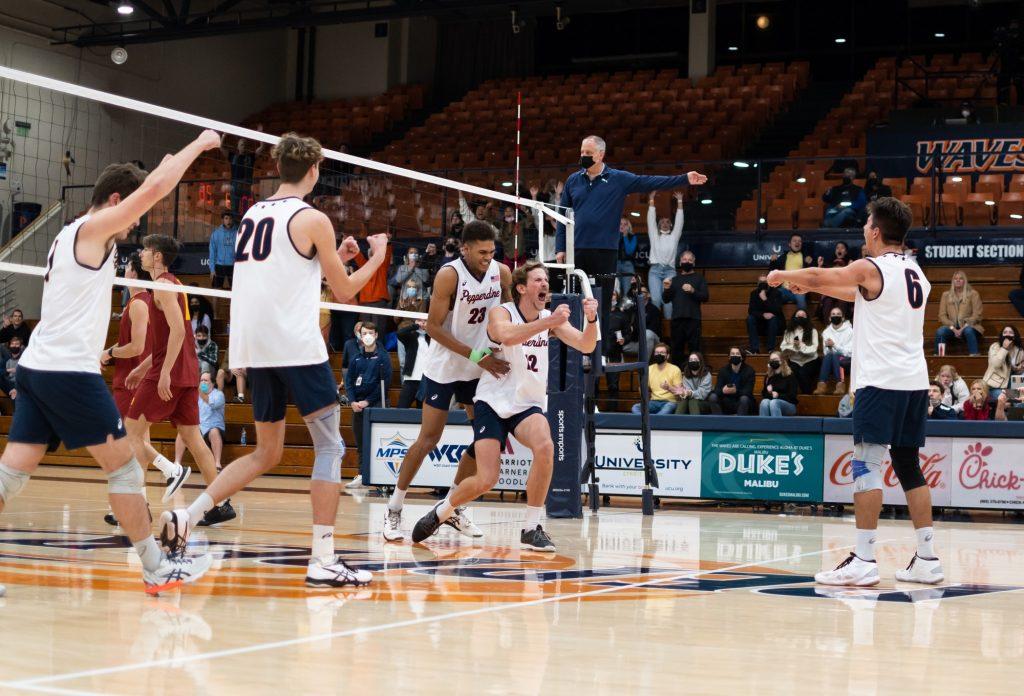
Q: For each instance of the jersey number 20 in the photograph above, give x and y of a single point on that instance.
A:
(915, 294)
(260, 235)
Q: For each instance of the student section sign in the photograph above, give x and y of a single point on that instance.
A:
(762, 466)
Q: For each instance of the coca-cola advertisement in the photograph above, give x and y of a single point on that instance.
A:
(936, 465)
(988, 473)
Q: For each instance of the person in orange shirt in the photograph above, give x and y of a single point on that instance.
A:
(375, 293)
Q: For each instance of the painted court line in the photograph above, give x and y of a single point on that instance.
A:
(178, 661)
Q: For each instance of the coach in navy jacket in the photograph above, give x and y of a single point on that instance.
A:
(597, 195)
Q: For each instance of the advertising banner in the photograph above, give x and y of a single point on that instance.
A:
(988, 148)
(936, 465)
(676, 456)
(988, 473)
(763, 466)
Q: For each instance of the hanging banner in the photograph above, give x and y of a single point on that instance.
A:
(976, 149)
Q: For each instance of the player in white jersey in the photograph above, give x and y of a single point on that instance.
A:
(465, 291)
(61, 394)
(284, 248)
(890, 383)
(515, 404)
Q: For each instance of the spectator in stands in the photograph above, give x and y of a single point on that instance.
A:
(597, 194)
(375, 293)
(734, 390)
(840, 258)
(620, 329)
(414, 337)
(960, 312)
(663, 236)
(687, 291)
(211, 420)
(201, 312)
(455, 224)
(430, 262)
(410, 270)
(652, 322)
(779, 393)
(696, 388)
(352, 346)
(207, 350)
(837, 349)
(509, 233)
(15, 349)
(794, 259)
(237, 376)
(800, 348)
(222, 251)
(1005, 359)
(628, 243)
(954, 388)
(662, 378)
(451, 248)
(875, 189)
(980, 405)
(937, 409)
(1016, 296)
(367, 379)
(764, 316)
(846, 203)
(14, 325)
(243, 164)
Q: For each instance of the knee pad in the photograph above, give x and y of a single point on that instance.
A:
(328, 447)
(907, 465)
(867, 467)
(128, 480)
(11, 482)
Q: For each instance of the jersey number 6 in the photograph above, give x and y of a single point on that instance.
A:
(260, 234)
(914, 292)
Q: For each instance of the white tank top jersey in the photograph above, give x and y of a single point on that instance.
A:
(888, 331)
(526, 384)
(275, 292)
(467, 321)
(75, 314)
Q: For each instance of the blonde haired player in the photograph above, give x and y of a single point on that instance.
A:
(890, 376)
(284, 248)
(515, 403)
(61, 394)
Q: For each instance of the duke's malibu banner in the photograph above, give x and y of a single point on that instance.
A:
(768, 466)
(676, 455)
(936, 465)
(988, 472)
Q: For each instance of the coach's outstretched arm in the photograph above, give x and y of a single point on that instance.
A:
(115, 219)
(841, 283)
(584, 341)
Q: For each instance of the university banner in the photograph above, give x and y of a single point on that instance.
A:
(976, 149)
(762, 466)
(988, 473)
(676, 457)
(936, 465)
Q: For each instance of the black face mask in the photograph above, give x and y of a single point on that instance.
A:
(1011, 338)
(694, 365)
(836, 321)
(847, 180)
(586, 161)
(762, 286)
(686, 267)
(774, 364)
(15, 352)
(451, 248)
(659, 359)
(735, 360)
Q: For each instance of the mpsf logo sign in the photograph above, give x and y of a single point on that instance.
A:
(392, 450)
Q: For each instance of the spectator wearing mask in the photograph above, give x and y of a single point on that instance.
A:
(1005, 359)
(793, 260)
(800, 349)
(845, 204)
(414, 337)
(451, 249)
(734, 390)
(628, 243)
(206, 350)
(875, 189)
(430, 262)
(779, 393)
(840, 258)
(222, 251)
(14, 325)
(15, 348)
(960, 311)
(375, 293)
(979, 407)
(696, 388)
(937, 409)
(663, 236)
(410, 270)
(211, 419)
(764, 316)
(367, 379)
(662, 378)
(837, 349)
(954, 388)
(242, 162)
(201, 312)
(687, 292)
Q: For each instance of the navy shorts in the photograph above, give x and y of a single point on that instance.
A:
(488, 425)
(312, 386)
(75, 408)
(890, 417)
(440, 395)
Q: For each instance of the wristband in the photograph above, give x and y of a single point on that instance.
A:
(592, 321)
(478, 355)
(110, 352)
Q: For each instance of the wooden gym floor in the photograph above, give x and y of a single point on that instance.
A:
(691, 600)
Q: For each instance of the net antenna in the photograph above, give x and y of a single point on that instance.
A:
(542, 211)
